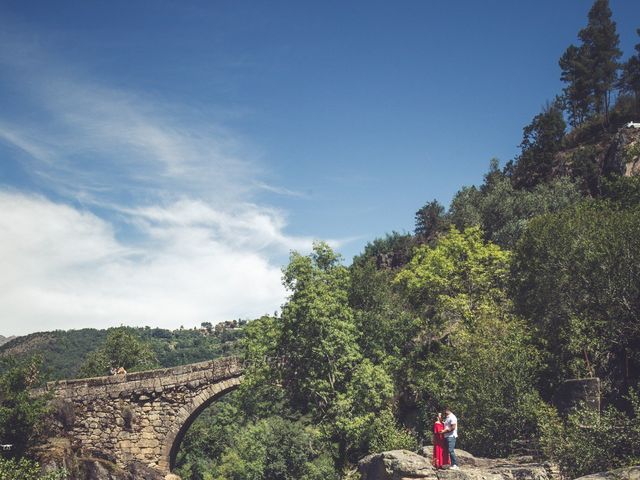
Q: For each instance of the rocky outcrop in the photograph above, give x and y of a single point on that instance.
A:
(629, 473)
(82, 464)
(617, 153)
(406, 465)
(395, 465)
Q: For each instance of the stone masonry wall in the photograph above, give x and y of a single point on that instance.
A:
(142, 416)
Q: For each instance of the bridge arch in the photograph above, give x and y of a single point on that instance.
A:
(143, 416)
(187, 415)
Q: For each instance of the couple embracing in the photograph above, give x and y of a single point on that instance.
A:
(444, 441)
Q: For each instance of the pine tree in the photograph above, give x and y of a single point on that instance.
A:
(430, 221)
(630, 80)
(590, 70)
(541, 140)
(577, 96)
(601, 41)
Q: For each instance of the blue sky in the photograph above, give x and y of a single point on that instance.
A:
(159, 159)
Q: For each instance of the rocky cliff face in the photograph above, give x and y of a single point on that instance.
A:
(84, 464)
(405, 465)
(617, 153)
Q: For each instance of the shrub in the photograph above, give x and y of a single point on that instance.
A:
(589, 441)
(23, 469)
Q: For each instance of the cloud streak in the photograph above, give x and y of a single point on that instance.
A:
(169, 232)
(64, 268)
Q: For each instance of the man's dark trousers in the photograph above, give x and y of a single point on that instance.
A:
(451, 445)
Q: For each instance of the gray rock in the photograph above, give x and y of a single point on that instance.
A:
(404, 465)
(465, 459)
(628, 473)
(395, 465)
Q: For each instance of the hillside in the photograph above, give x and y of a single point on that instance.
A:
(4, 340)
(63, 352)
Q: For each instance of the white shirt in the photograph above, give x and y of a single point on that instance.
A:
(448, 422)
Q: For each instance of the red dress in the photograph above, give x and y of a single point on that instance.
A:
(440, 454)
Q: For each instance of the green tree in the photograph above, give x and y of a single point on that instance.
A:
(430, 221)
(451, 281)
(24, 469)
(576, 276)
(391, 252)
(318, 340)
(209, 437)
(474, 354)
(21, 415)
(576, 443)
(503, 211)
(309, 363)
(383, 320)
(122, 348)
(577, 97)
(276, 449)
(541, 141)
(630, 78)
(601, 43)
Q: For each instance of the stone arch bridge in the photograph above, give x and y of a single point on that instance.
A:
(142, 416)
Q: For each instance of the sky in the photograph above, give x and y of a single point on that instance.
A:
(160, 159)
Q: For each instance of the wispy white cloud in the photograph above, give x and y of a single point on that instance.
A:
(64, 268)
(170, 231)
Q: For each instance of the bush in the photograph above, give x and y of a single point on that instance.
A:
(276, 449)
(21, 414)
(24, 469)
(589, 442)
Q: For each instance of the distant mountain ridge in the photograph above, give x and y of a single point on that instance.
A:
(63, 352)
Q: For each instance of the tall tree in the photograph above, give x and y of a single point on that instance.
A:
(430, 221)
(318, 336)
(590, 70)
(601, 43)
(122, 348)
(577, 93)
(630, 79)
(21, 415)
(576, 276)
(541, 140)
(474, 353)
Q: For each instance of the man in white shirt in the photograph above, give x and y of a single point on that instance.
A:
(450, 435)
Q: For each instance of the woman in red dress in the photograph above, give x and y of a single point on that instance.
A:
(440, 454)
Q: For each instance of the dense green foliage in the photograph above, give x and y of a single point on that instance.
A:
(577, 277)
(64, 352)
(23, 469)
(121, 349)
(475, 355)
(503, 211)
(595, 442)
(278, 449)
(590, 69)
(20, 415)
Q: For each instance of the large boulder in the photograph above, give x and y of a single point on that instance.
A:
(395, 465)
(628, 473)
(405, 465)
(465, 459)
